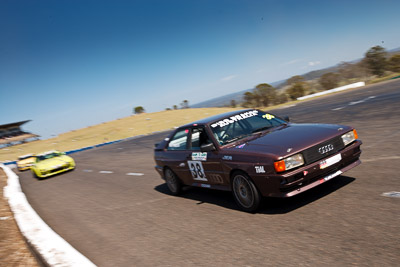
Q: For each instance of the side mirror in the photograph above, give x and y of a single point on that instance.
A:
(156, 145)
(207, 147)
(286, 118)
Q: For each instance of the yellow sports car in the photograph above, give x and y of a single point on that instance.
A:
(51, 163)
(25, 162)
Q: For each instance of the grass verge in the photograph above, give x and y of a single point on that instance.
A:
(13, 249)
(114, 130)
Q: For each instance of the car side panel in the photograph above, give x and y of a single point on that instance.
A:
(177, 161)
(214, 174)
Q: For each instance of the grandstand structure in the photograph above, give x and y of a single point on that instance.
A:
(12, 134)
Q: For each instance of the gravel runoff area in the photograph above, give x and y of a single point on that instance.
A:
(14, 251)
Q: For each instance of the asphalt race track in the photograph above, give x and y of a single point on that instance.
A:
(115, 209)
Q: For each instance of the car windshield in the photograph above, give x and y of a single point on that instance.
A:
(48, 156)
(244, 124)
(25, 157)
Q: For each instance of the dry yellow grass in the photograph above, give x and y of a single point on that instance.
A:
(114, 130)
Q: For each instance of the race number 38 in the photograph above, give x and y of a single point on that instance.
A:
(197, 170)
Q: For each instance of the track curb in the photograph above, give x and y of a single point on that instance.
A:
(51, 248)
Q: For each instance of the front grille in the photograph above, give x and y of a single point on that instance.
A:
(313, 154)
(59, 169)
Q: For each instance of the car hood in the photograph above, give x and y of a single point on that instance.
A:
(49, 163)
(290, 139)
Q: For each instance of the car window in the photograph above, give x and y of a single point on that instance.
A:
(243, 124)
(230, 131)
(199, 137)
(178, 142)
(47, 156)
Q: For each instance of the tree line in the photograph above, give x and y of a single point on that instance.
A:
(376, 63)
(184, 104)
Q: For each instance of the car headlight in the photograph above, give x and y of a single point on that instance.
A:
(289, 163)
(349, 137)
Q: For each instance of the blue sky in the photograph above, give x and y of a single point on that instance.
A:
(70, 64)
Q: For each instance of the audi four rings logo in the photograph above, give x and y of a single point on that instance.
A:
(325, 149)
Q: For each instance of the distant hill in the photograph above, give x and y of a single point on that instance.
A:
(395, 50)
(224, 101)
(221, 101)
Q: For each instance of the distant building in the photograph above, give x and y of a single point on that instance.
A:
(12, 134)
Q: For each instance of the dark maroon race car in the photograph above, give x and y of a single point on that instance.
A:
(255, 154)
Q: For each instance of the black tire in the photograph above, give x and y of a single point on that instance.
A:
(173, 182)
(245, 192)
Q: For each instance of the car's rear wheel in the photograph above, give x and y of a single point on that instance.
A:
(173, 182)
(245, 192)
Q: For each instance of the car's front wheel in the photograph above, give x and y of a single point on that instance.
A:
(245, 192)
(173, 182)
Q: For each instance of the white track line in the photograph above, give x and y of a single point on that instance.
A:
(391, 194)
(52, 248)
(355, 103)
(135, 173)
(105, 171)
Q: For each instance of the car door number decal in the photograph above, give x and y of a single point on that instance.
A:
(197, 170)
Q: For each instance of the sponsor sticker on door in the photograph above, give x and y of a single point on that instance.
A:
(199, 156)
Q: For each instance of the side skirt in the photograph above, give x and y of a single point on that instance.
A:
(212, 186)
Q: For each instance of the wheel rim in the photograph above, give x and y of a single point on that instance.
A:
(243, 191)
(171, 181)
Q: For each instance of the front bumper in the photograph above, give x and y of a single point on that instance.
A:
(322, 180)
(48, 173)
(24, 167)
(309, 176)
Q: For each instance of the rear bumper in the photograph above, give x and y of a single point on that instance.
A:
(23, 168)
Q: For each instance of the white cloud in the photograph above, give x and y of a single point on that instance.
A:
(228, 78)
(291, 62)
(314, 63)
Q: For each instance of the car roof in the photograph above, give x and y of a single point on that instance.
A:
(47, 153)
(216, 117)
(26, 156)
